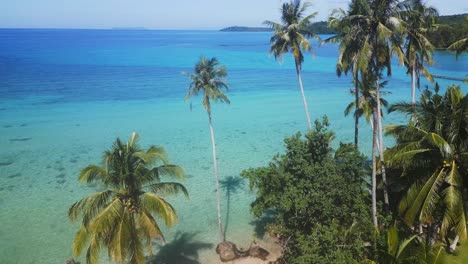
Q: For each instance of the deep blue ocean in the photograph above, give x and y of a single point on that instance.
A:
(65, 95)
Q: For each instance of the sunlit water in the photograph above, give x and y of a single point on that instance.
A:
(65, 95)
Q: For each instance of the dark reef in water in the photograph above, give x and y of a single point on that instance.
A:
(14, 175)
(19, 139)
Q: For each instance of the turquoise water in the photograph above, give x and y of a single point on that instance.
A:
(65, 95)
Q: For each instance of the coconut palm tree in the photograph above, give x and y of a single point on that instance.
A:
(292, 35)
(366, 101)
(354, 50)
(122, 217)
(459, 46)
(433, 156)
(419, 19)
(208, 78)
(383, 26)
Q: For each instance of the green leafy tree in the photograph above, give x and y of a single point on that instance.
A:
(122, 218)
(432, 155)
(317, 197)
(208, 79)
(292, 35)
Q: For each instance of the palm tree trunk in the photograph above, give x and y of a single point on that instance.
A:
(218, 193)
(374, 171)
(413, 83)
(356, 117)
(381, 149)
(298, 71)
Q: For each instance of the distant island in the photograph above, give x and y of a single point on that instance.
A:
(317, 27)
(246, 29)
(129, 28)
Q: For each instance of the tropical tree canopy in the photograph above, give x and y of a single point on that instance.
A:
(432, 156)
(315, 198)
(123, 218)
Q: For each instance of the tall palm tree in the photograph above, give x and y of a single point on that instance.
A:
(292, 35)
(383, 26)
(419, 19)
(354, 50)
(433, 155)
(209, 79)
(122, 218)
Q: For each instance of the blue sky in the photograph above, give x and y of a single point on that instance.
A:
(159, 14)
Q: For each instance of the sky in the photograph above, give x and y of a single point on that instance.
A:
(159, 14)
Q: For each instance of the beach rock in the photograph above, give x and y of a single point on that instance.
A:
(258, 252)
(70, 261)
(227, 251)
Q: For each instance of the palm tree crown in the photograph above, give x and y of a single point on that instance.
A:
(293, 34)
(122, 218)
(209, 78)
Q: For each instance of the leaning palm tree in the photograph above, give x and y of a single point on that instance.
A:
(292, 35)
(208, 78)
(354, 50)
(459, 46)
(433, 156)
(419, 20)
(122, 218)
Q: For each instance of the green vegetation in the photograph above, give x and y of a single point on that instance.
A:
(122, 218)
(431, 158)
(209, 79)
(323, 205)
(293, 36)
(317, 198)
(449, 30)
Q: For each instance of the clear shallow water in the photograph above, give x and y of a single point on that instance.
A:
(65, 95)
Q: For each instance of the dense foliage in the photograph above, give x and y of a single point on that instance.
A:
(316, 195)
(449, 30)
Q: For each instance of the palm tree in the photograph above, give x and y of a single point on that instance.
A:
(122, 218)
(366, 101)
(433, 156)
(460, 46)
(292, 35)
(209, 79)
(381, 23)
(354, 50)
(419, 19)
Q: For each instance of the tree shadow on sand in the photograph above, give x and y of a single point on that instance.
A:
(261, 223)
(231, 185)
(183, 249)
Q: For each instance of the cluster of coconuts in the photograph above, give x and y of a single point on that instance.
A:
(447, 164)
(130, 205)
